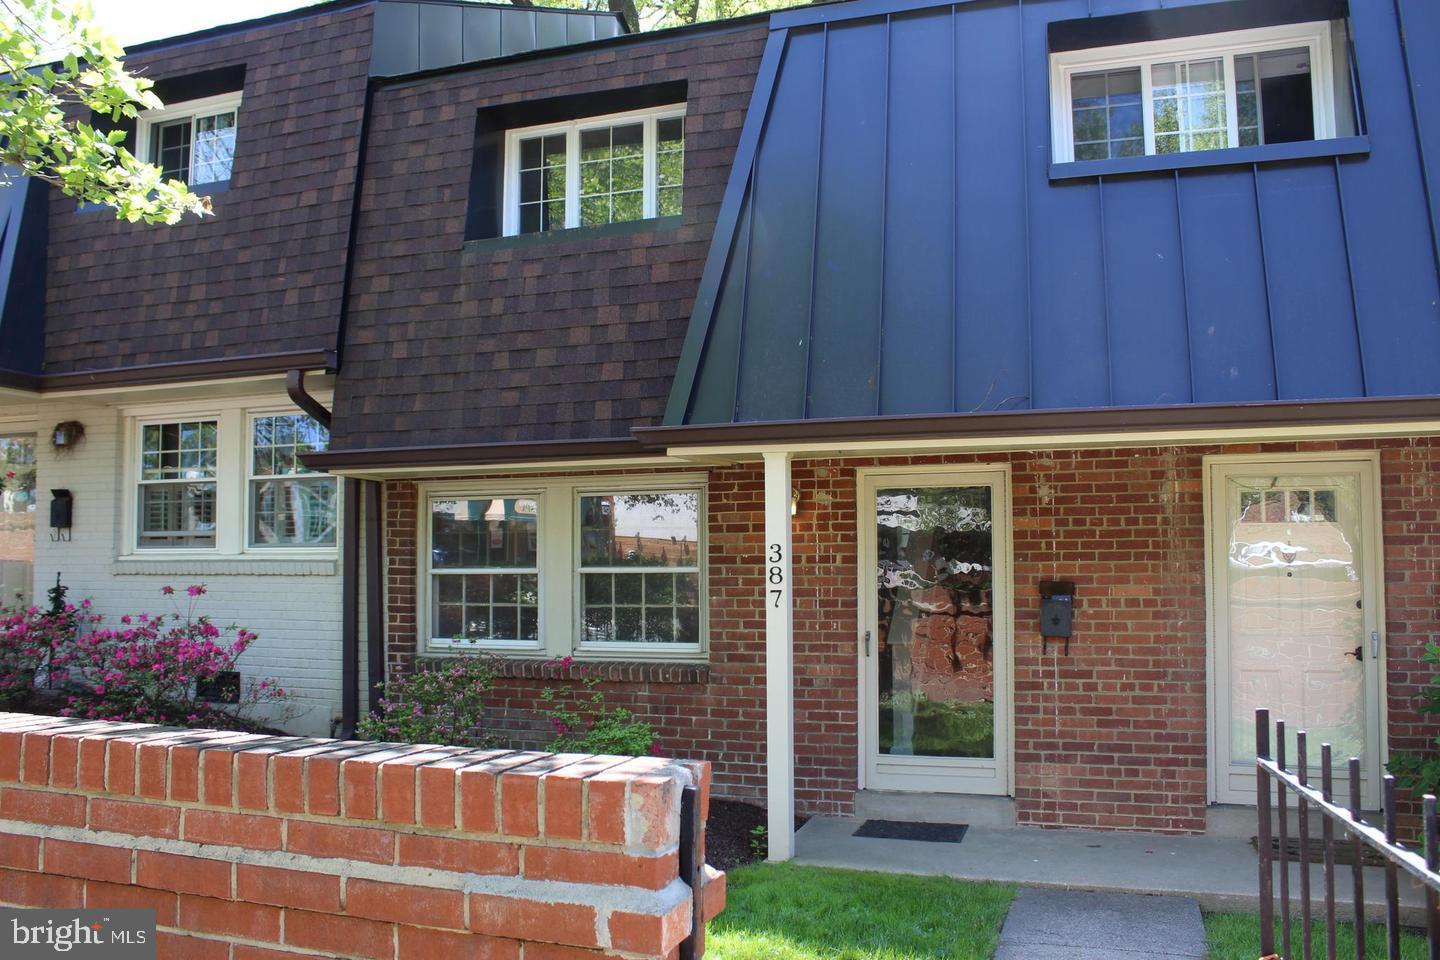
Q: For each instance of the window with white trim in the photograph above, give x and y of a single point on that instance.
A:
(290, 504)
(228, 481)
(587, 173)
(1244, 88)
(179, 464)
(192, 141)
(484, 570)
(640, 567)
(567, 566)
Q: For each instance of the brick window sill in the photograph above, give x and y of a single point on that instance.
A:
(610, 671)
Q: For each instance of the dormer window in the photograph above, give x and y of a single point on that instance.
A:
(192, 141)
(594, 172)
(1243, 88)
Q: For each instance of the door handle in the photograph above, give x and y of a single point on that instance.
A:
(1358, 653)
(866, 646)
(1374, 643)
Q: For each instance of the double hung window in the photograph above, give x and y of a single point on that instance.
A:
(566, 566)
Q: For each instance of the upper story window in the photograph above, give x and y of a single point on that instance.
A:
(586, 173)
(192, 141)
(1244, 88)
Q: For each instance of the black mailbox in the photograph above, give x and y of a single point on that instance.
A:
(1057, 610)
(62, 513)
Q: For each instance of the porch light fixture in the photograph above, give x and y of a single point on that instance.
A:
(794, 500)
(67, 434)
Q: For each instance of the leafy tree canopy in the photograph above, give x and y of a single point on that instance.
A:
(658, 14)
(45, 106)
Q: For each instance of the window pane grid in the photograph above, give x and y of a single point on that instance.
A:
(486, 606)
(647, 607)
(177, 514)
(184, 450)
(612, 174)
(639, 568)
(484, 569)
(593, 175)
(542, 183)
(1107, 115)
(289, 504)
(214, 147)
(1189, 106)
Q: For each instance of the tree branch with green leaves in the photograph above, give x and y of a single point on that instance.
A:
(57, 67)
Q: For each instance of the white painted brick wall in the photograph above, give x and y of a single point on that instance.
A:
(297, 617)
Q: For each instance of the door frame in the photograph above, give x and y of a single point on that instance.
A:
(1367, 464)
(998, 476)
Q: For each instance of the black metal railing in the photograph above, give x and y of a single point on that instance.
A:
(1395, 856)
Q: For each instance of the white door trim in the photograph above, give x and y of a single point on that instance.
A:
(1365, 463)
(998, 476)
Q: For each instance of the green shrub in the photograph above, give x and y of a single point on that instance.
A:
(592, 726)
(1420, 772)
(444, 704)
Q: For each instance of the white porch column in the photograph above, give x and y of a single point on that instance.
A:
(779, 660)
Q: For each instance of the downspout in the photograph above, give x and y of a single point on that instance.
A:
(349, 568)
(374, 604)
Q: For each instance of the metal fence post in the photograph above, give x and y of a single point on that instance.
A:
(692, 870)
(1262, 813)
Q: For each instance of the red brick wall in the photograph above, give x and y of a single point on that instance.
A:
(284, 847)
(1111, 736)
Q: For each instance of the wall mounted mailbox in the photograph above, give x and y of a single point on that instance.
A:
(62, 514)
(1057, 612)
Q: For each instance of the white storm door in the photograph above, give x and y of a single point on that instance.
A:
(1296, 615)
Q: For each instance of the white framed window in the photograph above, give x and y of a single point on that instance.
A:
(484, 570)
(289, 504)
(639, 569)
(602, 568)
(1243, 88)
(177, 486)
(225, 481)
(591, 172)
(192, 141)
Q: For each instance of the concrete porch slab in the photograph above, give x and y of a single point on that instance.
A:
(1218, 872)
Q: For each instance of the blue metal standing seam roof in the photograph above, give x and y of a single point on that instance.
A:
(892, 241)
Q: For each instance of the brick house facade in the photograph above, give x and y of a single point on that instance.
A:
(1110, 736)
(863, 274)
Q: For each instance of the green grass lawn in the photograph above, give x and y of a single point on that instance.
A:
(779, 911)
(1236, 936)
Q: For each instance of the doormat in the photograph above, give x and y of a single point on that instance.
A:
(1344, 850)
(903, 830)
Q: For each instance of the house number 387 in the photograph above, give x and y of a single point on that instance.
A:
(776, 575)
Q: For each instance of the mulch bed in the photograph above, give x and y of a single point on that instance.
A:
(728, 833)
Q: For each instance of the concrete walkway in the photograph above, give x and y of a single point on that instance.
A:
(1068, 925)
(1218, 872)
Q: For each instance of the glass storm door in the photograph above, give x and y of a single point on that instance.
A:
(1297, 625)
(935, 572)
(17, 516)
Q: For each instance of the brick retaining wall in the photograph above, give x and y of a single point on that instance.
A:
(255, 847)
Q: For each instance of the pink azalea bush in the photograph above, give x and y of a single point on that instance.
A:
(147, 669)
(440, 704)
(590, 725)
(30, 641)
